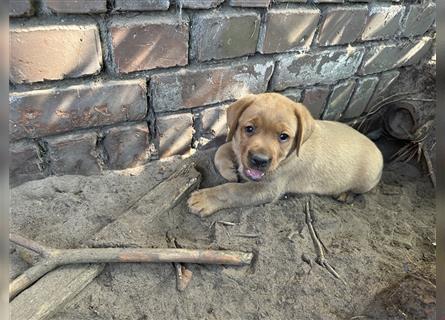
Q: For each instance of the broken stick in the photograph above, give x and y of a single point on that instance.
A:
(183, 275)
(58, 257)
(321, 260)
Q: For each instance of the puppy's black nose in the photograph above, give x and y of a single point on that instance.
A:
(259, 160)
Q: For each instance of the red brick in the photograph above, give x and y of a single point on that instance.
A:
(333, 30)
(127, 145)
(384, 57)
(315, 100)
(74, 153)
(19, 8)
(293, 94)
(141, 5)
(383, 87)
(25, 162)
(53, 52)
(383, 22)
(320, 67)
(236, 34)
(145, 43)
(214, 121)
(75, 6)
(193, 88)
(212, 128)
(298, 26)
(419, 19)
(44, 112)
(338, 100)
(175, 134)
(360, 99)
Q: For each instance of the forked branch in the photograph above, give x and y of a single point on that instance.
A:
(58, 257)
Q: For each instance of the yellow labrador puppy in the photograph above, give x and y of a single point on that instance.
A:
(277, 147)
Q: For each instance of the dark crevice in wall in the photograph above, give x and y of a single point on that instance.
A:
(269, 81)
(39, 8)
(356, 85)
(314, 43)
(101, 152)
(327, 100)
(107, 66)
(197, 134)
(196, 122)
(44, 156)
(152, 126)
(111, 4)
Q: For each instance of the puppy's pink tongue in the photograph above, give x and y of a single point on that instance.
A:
(254, 174)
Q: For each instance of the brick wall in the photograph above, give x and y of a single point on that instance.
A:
(111, 84)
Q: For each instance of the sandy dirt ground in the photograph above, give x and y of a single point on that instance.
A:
(381, 245)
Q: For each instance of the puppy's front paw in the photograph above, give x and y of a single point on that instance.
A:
(202, 203)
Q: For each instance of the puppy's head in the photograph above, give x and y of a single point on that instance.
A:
(265, 129)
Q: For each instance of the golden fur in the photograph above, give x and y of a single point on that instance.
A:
(277, 146)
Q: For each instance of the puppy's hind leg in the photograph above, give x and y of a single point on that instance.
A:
(345, 197)
(225, 162)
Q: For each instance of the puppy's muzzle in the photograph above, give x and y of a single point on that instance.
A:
(259, 161)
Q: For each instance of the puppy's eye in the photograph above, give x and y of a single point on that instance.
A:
(249, 129)
(284, 137)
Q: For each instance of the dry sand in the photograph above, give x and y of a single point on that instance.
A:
(381, 245)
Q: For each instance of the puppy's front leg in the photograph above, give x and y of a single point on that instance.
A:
(204, 202)
(225, 162)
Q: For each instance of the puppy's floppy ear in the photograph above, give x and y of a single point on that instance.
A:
(234, 112)
(305, 125)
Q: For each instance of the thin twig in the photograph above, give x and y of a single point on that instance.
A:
(246, 235)
(321, 260)
(227, 223)
(403, 152)
(400, 96)
(420, 99)
(411, 155)
(312, 216)
(429, 165)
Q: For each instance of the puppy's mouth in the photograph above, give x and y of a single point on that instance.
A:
(254, 174)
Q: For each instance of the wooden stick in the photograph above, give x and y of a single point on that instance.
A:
(59, 257)
(183, 275)
(56, 288)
